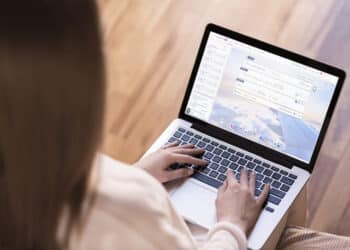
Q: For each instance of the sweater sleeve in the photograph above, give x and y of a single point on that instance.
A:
(225, 236)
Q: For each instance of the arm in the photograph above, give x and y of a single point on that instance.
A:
(237, 207)
(237, 211)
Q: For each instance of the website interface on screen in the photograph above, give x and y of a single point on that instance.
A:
(260, 96)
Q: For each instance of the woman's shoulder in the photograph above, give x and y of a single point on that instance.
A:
(119, 180)
(114, 169)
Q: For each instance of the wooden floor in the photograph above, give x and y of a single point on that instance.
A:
(151, 45)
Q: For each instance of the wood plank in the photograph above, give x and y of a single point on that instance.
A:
(335, 49)
(335, 203)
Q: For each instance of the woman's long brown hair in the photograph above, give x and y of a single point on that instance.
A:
(51, 112)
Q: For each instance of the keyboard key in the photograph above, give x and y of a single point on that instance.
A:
(217, 151)
(214, 143)
(198, 137)
(209, 147)
(206, 170)
(210, 181)
(217, 159)
(275, 168)
(276, 184)
(213, 173)
(185, 138)
(233, 166)
(257, 192)
(189, 133)
(258, 184)
(259, 169)
(222, 169)
(276, 176)
(225, 154)
(172, 139)
(232, 151)
(213, 165)
(267, 180)
(181, 130)
(257, 161)
(269, 209)
(177, 134)
(206, 140)
(287, 180)
(242, 162)
(274, 199)
(233, 158)
(251, 165)
(293, 176)
(201, 144)
(266, 165)
(240, 154)
(238, 176)
(267, 172)
(249, 158)
(283, 172)
(208, 155)
(284, 188)
(193, 141)
(223, 147)
(225, 162)
(222, 177)
(277, 193)
(259, 177)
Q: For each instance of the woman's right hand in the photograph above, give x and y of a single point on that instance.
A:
(236, 202)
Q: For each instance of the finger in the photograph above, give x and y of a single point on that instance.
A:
(222, 188)
(252, 182)
(187, 159)
(170, 145)
(179, 173)
(263, 196)
(231, 179)
(183, 146)
(189, 151)
(244, 178)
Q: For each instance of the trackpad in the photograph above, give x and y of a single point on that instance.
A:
(196, 203)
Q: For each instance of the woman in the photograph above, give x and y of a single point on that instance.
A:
(53, 194)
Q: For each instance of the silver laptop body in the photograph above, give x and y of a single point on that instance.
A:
(250, 104)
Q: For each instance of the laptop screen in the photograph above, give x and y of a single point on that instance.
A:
(261, 96)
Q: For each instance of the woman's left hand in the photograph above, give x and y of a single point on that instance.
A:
(158, 162)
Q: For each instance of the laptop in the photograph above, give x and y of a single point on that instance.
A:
(251, 105)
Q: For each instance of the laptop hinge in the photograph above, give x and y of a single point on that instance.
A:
(241, 143)
(212, 131)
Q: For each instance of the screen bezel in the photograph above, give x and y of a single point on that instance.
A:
(240, 141)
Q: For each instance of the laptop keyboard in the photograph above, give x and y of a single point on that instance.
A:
(222, 158)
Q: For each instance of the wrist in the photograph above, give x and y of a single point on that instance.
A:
(239, 223)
